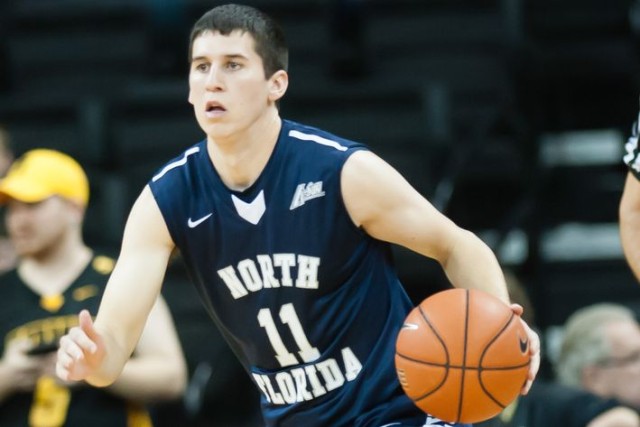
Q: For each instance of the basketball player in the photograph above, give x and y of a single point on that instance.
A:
(285, 229)
(46, 193)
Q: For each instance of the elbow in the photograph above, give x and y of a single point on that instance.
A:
(180, 383)
(174, 384)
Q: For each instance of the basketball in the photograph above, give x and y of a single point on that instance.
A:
(462, 355)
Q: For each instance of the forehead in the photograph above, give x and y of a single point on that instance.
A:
(212, 43)
(624, 335)
(52, 201)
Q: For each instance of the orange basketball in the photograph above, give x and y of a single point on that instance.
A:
(462, 355)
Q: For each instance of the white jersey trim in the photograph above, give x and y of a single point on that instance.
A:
(318, 139)
(176, 164)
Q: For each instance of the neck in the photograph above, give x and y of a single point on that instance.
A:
(54, 270)
(240, 159)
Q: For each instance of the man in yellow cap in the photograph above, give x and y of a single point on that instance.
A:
(46, 193)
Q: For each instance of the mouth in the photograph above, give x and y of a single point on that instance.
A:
(214, 109)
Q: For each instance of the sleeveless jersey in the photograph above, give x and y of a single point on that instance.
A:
(309, 302)
(44, 320)
(632, 150)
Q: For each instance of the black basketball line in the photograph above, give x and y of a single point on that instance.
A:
(464, 353)
(484, 352)
(470, 368)
(425, 318)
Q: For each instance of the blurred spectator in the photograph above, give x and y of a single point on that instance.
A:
(46, 193)
(550, 404)
(8, 256)
(601, 352)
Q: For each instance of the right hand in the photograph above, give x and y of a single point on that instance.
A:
(81, 351)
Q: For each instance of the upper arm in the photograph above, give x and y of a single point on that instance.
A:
(137, 278)
(630, 202)
(388, 208)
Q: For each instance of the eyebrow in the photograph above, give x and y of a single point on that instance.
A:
(228, 56)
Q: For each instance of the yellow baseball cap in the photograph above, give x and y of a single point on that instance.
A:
(42, 173)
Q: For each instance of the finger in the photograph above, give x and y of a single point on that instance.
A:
(86, 324)
(534, 364)
(65, 360)
(62, 372)
(68, 368)
(71, 347)
(517, 309)
(78, 337)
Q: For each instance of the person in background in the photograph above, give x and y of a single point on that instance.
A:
(550, 403)
(45, 194)
(600, 352)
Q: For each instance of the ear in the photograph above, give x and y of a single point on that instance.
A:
(278, 84)
(77, 211)
(590, 377)
(190, 98)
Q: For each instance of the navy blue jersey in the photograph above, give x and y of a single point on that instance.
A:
(309, 302)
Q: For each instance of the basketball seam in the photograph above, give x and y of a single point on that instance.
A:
(471, 368)
(464, 353)
(480, 368)
(446, 352)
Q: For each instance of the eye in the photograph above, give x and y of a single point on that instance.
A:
(232, 65)
(202, 67)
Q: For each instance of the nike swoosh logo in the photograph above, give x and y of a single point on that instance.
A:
(524, 345)
(410, 326)
(194, 224)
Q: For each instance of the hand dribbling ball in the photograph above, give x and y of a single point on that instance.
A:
(462, 355)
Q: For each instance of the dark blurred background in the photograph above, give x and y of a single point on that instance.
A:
(509, 115)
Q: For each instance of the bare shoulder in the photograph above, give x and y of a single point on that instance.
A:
(146, 221)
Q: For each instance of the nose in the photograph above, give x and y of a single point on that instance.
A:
(214, 80)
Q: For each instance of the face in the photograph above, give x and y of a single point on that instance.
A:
(36, 228)
(227, 84)
(619, 375)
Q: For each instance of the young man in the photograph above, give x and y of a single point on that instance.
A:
(46, 193)
(284, 229)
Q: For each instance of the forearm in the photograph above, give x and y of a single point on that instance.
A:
(472, 264)
(148, 379)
